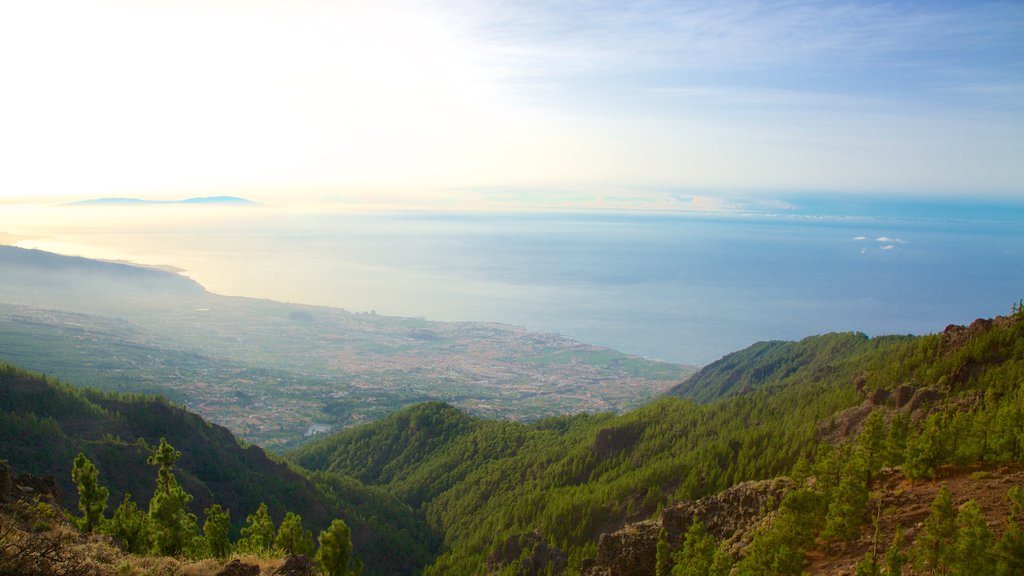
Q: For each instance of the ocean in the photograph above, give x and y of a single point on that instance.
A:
(683, 287)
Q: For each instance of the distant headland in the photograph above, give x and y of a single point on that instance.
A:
(206, 200)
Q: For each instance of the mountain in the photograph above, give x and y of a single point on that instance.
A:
(572, 493)
(207, 200)
(49, 275)
(764, 362)
(45, 423)
(805, 457)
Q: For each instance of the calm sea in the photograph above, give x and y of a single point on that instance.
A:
(679, 287)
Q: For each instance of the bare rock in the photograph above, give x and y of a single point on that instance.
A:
(238, 568)
(859, 382)
(955, 336)
(296, 566)
(902, 395)
(922, 397)
(878, 397)
(731, 516)
(631, 551)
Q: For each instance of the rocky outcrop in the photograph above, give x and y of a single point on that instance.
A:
(955, 336)
(731, 516)
(921, 398)
(902, 395)
(296, 566)
(27, 487)
(238, 568)
(533, 554)
(631, 551)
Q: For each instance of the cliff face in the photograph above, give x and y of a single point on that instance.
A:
(732, 515)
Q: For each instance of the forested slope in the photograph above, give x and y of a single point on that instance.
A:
(849, 426)
(45, 423)
(508, 497)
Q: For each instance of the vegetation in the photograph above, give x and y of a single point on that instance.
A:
(45, 424)
(484, 483)
(92, 498)
(167, 529)
(462, 493)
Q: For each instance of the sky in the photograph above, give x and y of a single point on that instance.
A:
(391, 101)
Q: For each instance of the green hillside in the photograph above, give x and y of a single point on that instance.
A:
(855, 421)
(45, 423)
(550, 489)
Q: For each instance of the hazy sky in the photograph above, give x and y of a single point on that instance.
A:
(175, 98)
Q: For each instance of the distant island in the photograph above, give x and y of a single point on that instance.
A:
(206, 200)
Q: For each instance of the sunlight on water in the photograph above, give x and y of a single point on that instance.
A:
(679, 287)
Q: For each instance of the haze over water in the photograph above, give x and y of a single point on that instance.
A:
(680, 286)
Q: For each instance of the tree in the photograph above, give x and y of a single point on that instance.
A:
(868, 566)
(973, 542)
(215, 531)
(872, 442)
(173, 526)
(291, 538)
(927, 449)
(849, 501)
(894, 557)
(1009, 550)
(697, 558)
(335, 550)
(934, 550)
(92, 498)
(662, 558)
(130, 526)
(780, 548)
(896, 439)
(258, 535)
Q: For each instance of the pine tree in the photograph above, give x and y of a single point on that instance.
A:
(335, 550)
(894, 557)
(1009, 550)
(868, 566)
(935, 548)
(130, 526)
(662, 557)
(173, 526)
(849, 502)
(258, 535)
(926, 450)
(92, 498)
(872, 443)
(780, 548)
(973, 554)
(698, 554)
(291, 538)
(896, 439)
(215, 531)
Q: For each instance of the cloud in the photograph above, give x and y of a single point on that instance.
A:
(860, 238)
(888, 247)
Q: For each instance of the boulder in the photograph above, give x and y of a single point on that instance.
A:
(238, 568)
(296, 566)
